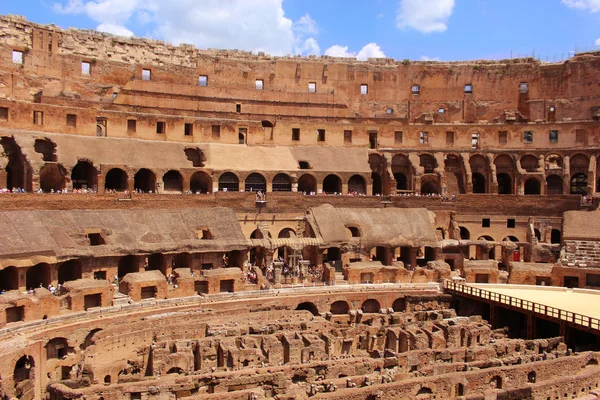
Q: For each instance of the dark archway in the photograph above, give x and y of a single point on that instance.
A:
(399, 305)
(200, 182)
(555, 236)
(18, 171)
(377, 188)
(532, 186)
(282, 183)
(332, 184)
(504, 183)
(307, 184)
(38, 276)
(145, 181)
(340, 307)
(479, 184)
(555, 184)
(309, 306)
(116, 179)
(84, 176)
(69, 271)
(52, 177)
(23, 369)
(255, 182)
(464, 233)
(579, 184)
(357, 184)
(429, 188)
(173, 182)
(370, 306)
(127, 264)
(229, 182)
(9, 278)
(401, 181)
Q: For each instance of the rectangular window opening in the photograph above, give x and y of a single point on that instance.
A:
(423, 137)
(72, 120)
(295, 134)
(4, 113)
(485, 223)
(100, 275)
(441, 110)
(449, 138)
(312, 87)
(475, 141)
(528, 137)
(216, 131)
(260, 84)
(203, 80)
(523, 87)
(96, 239)
(320, 135)
(511, 223)
(204, 234)
(238, 108)
(17, 57)
(553, 136)
(468, 88)
(502, 137)
(398, 137)
(131, 125)
(146, 74)
(188, 129)
(373, 142)
(86, 68)
(160, 127)
(38, 117)
(389, 111)
(415, 89)
(364, 89)
(347, 136)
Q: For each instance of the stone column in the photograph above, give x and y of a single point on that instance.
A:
(567, 175)
(277, 266)
(468, 172)
(131, 184)
(591, 186)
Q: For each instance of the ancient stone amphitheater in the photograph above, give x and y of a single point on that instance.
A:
(179, 223)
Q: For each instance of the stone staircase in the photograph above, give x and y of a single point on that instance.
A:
(120, 299)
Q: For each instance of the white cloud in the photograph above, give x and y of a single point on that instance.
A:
(380, 15)
(598, 42)
(259, 25)
(426, 58)
(371, 50)
(588, 5)
(425, 16)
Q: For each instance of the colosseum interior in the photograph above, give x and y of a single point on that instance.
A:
(200, 224)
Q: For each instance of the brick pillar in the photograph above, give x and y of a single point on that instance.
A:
(566, 175)
(591, 186)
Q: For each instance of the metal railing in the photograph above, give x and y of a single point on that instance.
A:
(541, 309)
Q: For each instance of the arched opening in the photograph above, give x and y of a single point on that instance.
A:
(401, 181)
(69, 271)
(127, 264)
(428, 162)
(52, 177)
(173, 182)
(460, 389)
(286, 233)
(555, 184)
(145, 181)
(429, 188)
(530, 163)
(496, 382)
(511, 238)
(339, 307)
(555, 236)
(116, 179)
(57, 348)
(175, 370)
(309, 306)
(89, 339)
(532, 186)
(553, 161)
(479, 184)
(156, 262)
(38, 276)
(356, 184)
(18, 170)
(256, 234)
(47, 148)
(464, 233)
(489, 253)
(399, 305)
(255, 182)
(107, 379)
(370, 306)
(23, 369)
(504, 183)
(9, 278)
(84, 176)
(282, 183)
(424, 391)
(332, 184)
(377, 188)
(354, 231)
(307, 184)
(229, 182)
(531, 377)
(200, 182)
(579, 184)
(195, 155)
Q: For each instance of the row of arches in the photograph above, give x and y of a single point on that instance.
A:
(341, 307)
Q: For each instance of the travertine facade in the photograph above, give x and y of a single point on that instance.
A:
(217, 224)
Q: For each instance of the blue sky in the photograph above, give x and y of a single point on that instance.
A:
(414, 29)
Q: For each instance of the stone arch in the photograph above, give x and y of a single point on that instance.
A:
(69, 271)
(52, 177)
(127, 264)
(354, 231)
(195, 155)
(9, 278)
(18, 170)
(464, 233)
(286, 233)
(505, 183)
(399, 305)
(38, 275)
(332, 184)
(370, 306)
(57, 347)
(430, 184)
(496, 382)
(553, 161)
(23, 371)
(201, 182)
(282, 183)
(479, 183)
(480, 165)
(229, 182)
(579, 164)
(428, 162)
(554, 184)
(115, 179)
(84, 175)
(402, 171)
(357, 184)
(532, 186)
(47, 148)
(145, 181)
(339, 307)
(307, 183)
(308, 306)
(579, 184)
(530, 163)
(172, 182)
(531, 377)
(255, 182)
(455, 173)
